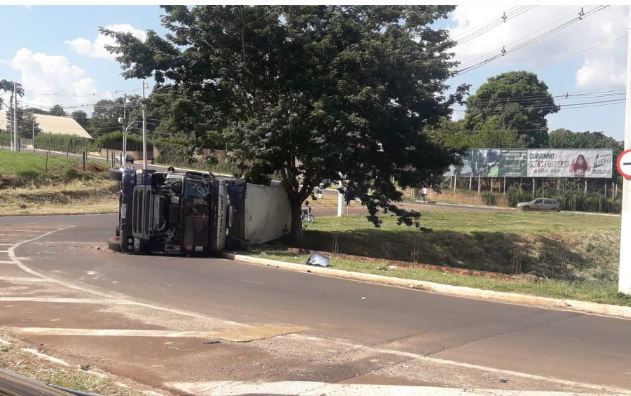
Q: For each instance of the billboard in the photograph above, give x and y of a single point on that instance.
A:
(570, 163)
(593, 163)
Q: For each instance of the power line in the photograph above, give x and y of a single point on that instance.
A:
(531, 40)
(578, 52)
(495, 22)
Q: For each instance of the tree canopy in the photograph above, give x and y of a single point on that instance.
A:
(512, 103)
(310, 93)
(57, 110)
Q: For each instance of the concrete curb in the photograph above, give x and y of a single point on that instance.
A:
(617, 311)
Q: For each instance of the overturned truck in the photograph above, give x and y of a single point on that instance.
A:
(195, 213)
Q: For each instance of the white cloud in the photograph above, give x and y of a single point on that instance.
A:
(50, 79)
(96, 49)
(602, 65)
(597, 72)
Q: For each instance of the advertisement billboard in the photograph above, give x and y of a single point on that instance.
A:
(592, 163)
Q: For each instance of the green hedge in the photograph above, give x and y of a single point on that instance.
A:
(175, 151)
(114, 141)
(5, 139)
(66, 143)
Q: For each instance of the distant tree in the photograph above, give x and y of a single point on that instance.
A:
(7, 86)
(107, 112)
(310, 93)
(57, 110)
(81, 117)
(454, 134)
(515, 102)
(27, 125)
(35, 110)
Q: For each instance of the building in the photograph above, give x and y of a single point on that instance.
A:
(53, 124)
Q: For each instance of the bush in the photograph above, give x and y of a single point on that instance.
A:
(5, 139)
(69, 143)
(489, 198)
(114, 141)
(515, 195)
(175, 151)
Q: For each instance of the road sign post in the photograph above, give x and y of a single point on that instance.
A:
(624, 272)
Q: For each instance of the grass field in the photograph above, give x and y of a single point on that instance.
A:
(30, 186)
(23, 169)
(558, 255)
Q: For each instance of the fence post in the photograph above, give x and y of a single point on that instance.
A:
(84, 157)
(46, 166)
(455, 182)
(470, 181)
(504, 185)
(534, 188)
(605, 189)
(585, 191)
(479, 184)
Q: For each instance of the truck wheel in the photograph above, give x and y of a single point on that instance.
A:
(114, 244)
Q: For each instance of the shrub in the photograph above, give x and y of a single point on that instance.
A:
(66, 143)
(515, 195)
(489, 198)
(175, 151)
(114, 141)
(5, 139)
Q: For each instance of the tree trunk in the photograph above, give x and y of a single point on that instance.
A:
(296, 221)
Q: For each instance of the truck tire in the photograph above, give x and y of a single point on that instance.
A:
(114, 244)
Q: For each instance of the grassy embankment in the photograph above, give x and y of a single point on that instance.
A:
(30, 185)
(558, 255)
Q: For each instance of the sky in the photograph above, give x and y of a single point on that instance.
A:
(58, 55)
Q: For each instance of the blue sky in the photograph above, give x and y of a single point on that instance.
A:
(56, 50)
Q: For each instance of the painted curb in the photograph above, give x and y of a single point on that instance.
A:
(449, 290)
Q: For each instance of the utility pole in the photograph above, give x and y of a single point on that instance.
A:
(33, 119)
(15, 117)
(624, 273)
(144, 129)
(123, 164)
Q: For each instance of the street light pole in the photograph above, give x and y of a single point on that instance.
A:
(15, 117)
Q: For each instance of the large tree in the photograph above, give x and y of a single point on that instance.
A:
(107, 112)
(81, 117)
(309, 93)
(514, 102)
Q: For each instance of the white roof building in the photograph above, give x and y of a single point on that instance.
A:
(53, 124)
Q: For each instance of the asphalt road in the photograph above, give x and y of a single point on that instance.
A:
(404, 336)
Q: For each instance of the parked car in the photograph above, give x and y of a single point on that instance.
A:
(540, 204)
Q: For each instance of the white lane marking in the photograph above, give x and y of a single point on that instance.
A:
(4, 342)
(65, 300)
(55, 331)
(358, 346)
(25, 268)
(3, 243)
(6, 262)
(309, 388)
(4, 251)
(445, 362)
(22, 279)
(46, 357)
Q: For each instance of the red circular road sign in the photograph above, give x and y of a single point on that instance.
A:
(624, 164)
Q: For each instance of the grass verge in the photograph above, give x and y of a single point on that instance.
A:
(560, 246)
(596, 291)
(14, 358)
(558, 255)
(76, 197)
(26, 169)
